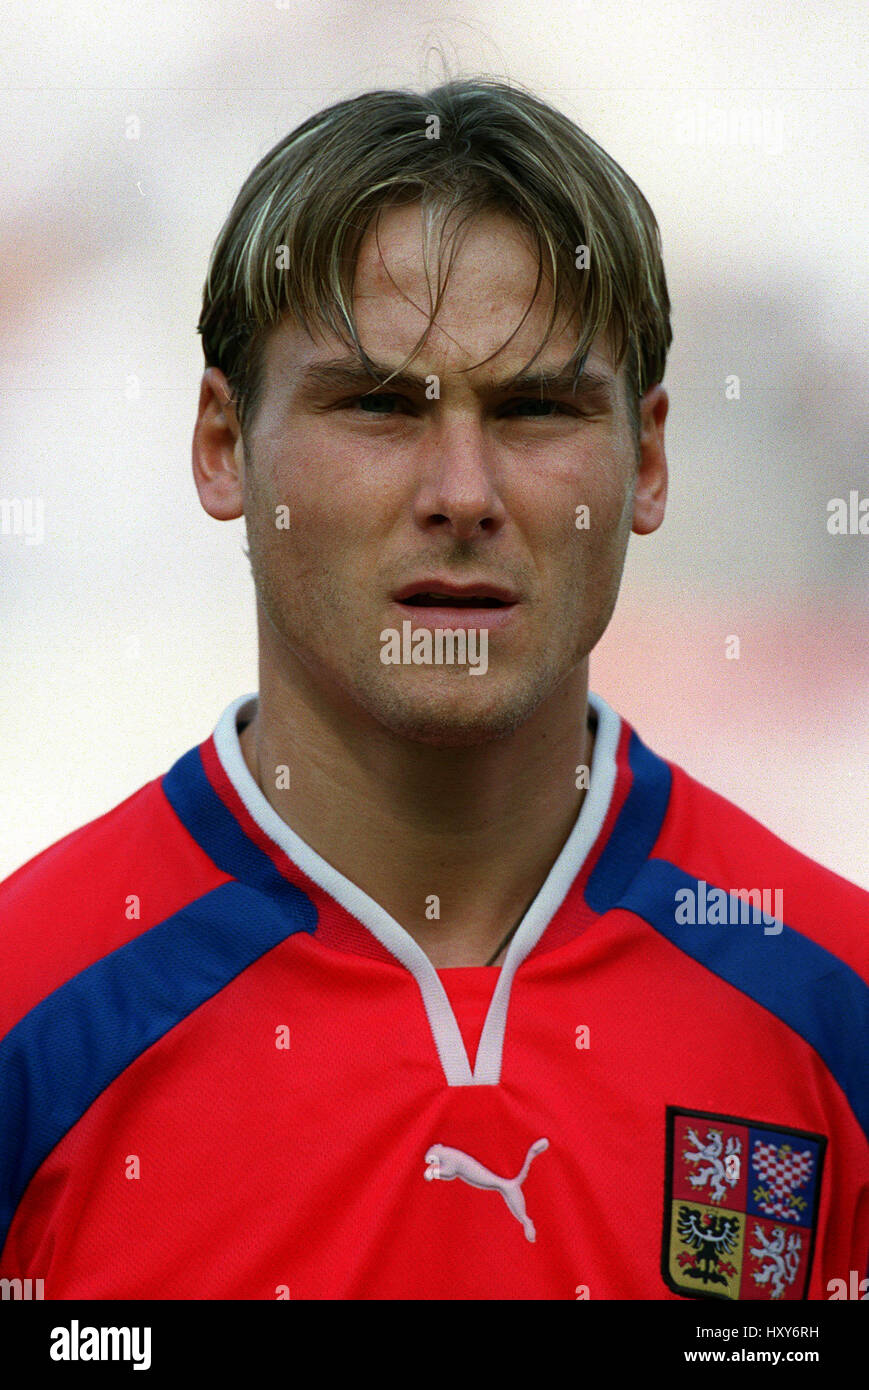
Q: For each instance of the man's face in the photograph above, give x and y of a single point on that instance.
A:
(479, 484)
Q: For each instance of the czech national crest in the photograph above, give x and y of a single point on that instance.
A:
(741, 1207)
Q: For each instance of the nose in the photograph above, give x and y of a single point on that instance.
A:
(458, 486)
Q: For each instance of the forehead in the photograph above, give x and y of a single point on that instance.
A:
(491, 293)
(492, 251)
(491, 308)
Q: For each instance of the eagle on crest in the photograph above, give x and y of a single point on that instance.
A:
(710, 1237)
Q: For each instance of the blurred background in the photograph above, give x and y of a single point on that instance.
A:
(127, 613)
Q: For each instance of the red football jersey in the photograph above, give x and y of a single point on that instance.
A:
(226, 1072)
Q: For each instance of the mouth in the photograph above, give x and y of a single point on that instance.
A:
(434, 600)
(444, 594)
(433, 608)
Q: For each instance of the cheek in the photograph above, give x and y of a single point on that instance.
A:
(588, 510)
(608, 480)
(297, 517)
(603, 547)
(611, 501)
(334, 491)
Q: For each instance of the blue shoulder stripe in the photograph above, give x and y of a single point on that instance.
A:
(636, 829)
(214, 827)
(75, 1042)
(802, 983)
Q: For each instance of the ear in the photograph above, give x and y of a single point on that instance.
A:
(218, 451)
(650, 494)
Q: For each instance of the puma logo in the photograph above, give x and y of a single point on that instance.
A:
(448, 1163)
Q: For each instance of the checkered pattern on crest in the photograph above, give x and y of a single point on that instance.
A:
(781, 1172)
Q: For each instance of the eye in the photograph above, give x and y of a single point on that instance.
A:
(524, 407)
(375, 403)
(540, 409)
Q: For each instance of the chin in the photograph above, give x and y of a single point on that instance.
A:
(451, 723)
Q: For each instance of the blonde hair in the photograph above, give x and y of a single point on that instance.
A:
(292, 237)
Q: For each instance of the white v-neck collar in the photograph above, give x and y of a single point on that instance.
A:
(445, 1029)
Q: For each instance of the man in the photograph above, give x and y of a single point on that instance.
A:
(423, 977)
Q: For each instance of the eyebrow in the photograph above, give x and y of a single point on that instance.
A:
(352, 374)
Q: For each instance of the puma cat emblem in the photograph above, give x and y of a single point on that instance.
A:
(445, 1163)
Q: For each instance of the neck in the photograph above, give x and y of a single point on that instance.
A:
(454, 843)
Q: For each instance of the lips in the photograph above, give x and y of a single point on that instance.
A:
(452, 601)
(439, 593)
